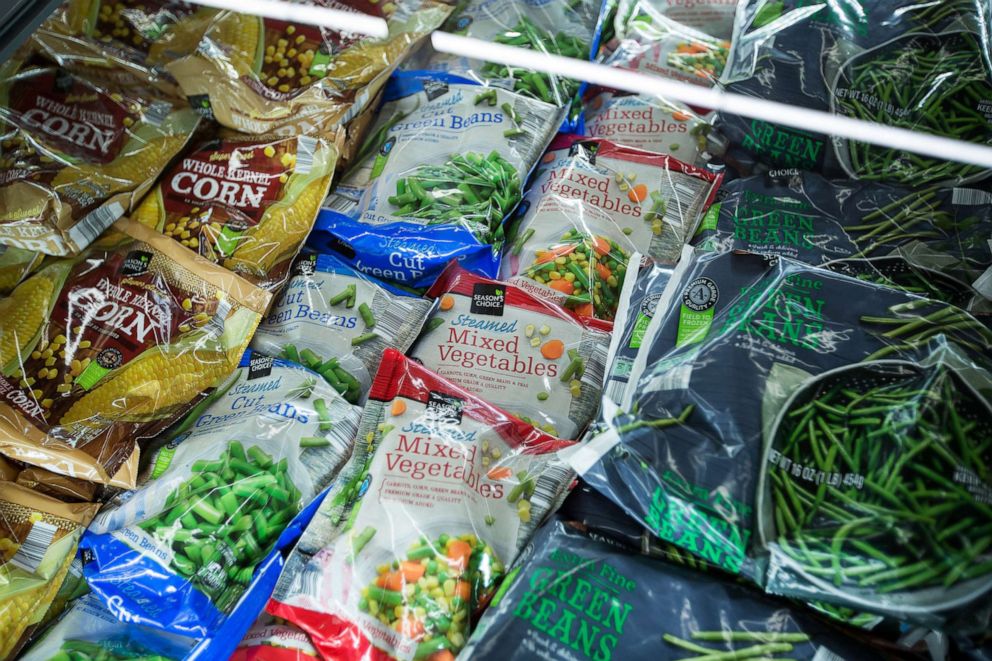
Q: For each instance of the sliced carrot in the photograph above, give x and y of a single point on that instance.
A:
(603, 271)
(680, 116)
(564, 286)
(459, 552)
(584, 310)
(410, 626)
(393, 581)
(500, 473)
(463, 590)
(398, 408)
(447, 302)
(443, 655)
(550, 255)
(412, 571)
(638, 193)
(553, 349)
(601, 245)
(380, 581)
(682, 48)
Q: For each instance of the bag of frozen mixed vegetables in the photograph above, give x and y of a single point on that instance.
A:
(260, 75)
(38, 537)
(822, 435)
(245, 202)
(591, 203)
(569, 596)
(441, 493)
(179, 553)
(933, 242)
(515, 350)
(75, 154)
(905, 63)
(273, 641)
(559, 27)
(112, 346)
(442, 167)
(337, 321)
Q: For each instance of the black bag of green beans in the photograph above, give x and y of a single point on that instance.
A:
(892, 454)
(179, 554)
(917, 65)
(556, 27)
(441, 493)
(571, 597)
(337, 321)
(933, 242)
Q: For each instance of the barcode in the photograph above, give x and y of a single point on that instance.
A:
(157, 112)
(681, 204)
(683, 200)
(307, 581)
(340, 203)
(90, 227)
(305, 149)
(970, 196)
(615, 390)
(535, 127)
(32, 549)
(672, 378)
(220, 316)
(594, 351)
(823, 654)
(549, 490)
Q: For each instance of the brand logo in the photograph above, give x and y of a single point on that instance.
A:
(259, 366)
(443, 408)
(306, 266)
(136, 263)
(110, 358)
(434, 89)
(650, 304)
(700, 295)
(488, 299)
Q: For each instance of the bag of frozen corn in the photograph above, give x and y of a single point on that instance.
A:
(130, 38)
(179, 553)
(337, 321)
(38, 537)
(441, 493)
(112, 346)
(245, 202)
(76, 155)
(257, 74)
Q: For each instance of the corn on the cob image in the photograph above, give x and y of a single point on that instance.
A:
(19, 611)
(279, 233)
(238, 33)
(149, 212)
(15, 265)
(125, 172)
(22, 315)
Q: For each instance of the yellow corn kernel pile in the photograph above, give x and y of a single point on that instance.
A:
(22, 314)
(239, 33)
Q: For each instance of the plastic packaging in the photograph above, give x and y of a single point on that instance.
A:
(321, 320)
(77, 154)
(245, 202)
(288, 76)
(573, 597)
(899, 62)
(270, 641)
(38, 537)
(179, 553)
(696, 461)
(560, 27)
(516, 351)
(112, 346)
(591, 203)
(442, 487)
(15, 265)
(441, 168)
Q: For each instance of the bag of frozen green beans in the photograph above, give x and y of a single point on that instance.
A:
(591, 203)
(337, 321)
(182, 550)
(442, 492)
(933, 242)
(826, 437)
(572, 597)
(559, 27)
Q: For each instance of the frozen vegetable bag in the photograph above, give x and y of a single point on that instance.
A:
(441, 493)
(570, 597)
(442, 167)
(245, 202)
(111, 346)
(75, 155)
(795, 415)
(558, 27)
(179, 553)
(258, 75)
(38, 537)
(591, 203)
(515, 350)
(337, 321)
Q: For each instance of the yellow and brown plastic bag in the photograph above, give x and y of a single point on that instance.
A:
(99, 351)
(76, 155)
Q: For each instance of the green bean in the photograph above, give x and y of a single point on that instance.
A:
(313, 442)
(342, 296)
(750, 636)
(366, 313)
(363, 338)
